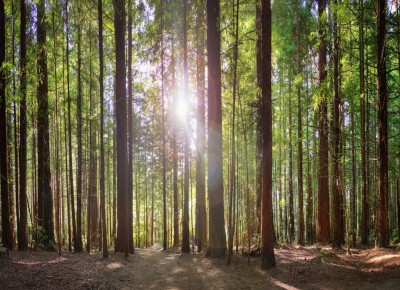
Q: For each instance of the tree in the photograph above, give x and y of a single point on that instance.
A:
(102, 161)
(217, 243)
(45, 197)
(185, 219)
(323, 223)
(122, 243)
(200, 131)
(382, 222)
(6, 235)
(267, 225)
(23, 212)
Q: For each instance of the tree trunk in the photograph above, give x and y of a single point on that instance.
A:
(300, 239)
(382, 233)
(122, 243)
(217, 245)
(45, 198)
(337, 186)
(6, 235)
(267, 225)
(130, 130)
(185, 219)
(78, 247)
(231, 222)
(323, 223)
(23, 212)
(200, 159)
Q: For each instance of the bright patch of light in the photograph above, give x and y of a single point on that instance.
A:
(181, 109)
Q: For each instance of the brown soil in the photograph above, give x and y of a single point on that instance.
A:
(313, 267)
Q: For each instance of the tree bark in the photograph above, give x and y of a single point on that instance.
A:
(122, 243)
(267, 225)
(23, 212)
(382, 227)
(323, 223)
(217, 243)
(45, 197)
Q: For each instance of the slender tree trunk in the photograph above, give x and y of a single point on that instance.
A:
(291, 198)
(323, 223)
(23, 212)
(300, 239)
(185, 219)
(6, 235)
(364, 197)
(200, 159)
(337, 186)
(267, 225)
(382, 229)
(217, 245)
(130, 130)
(163, 134)
(45, 197)
(78, 247)
(71, 176)
(231, 224)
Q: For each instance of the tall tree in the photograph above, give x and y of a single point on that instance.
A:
(185, 219)
(130, 129)
(45, 197)
(267, 225)
(337, 114)
(323, 223)
(217, 243)
(71, 169)
(382, 222)
(122, 243)
(200, 131)
(102, 164)
(300, 238)
(6, 234)
(23, 212)
(364, 196)
(78, 247)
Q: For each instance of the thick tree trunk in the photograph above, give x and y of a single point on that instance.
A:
(267, 225)
(122, 243)
(382, 228)
(45, 197)
(323, 222)
(217, 243)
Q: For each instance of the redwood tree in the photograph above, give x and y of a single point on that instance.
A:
(323, 223)
(382, 221)
(122, 242)
(267, 225)
(217, 243)
(45, 197)
(6, 236)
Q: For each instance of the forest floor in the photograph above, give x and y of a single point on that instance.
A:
(311, 267)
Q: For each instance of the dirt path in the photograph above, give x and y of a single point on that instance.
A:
(297, 268)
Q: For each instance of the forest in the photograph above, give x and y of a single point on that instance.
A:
(197, 143)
